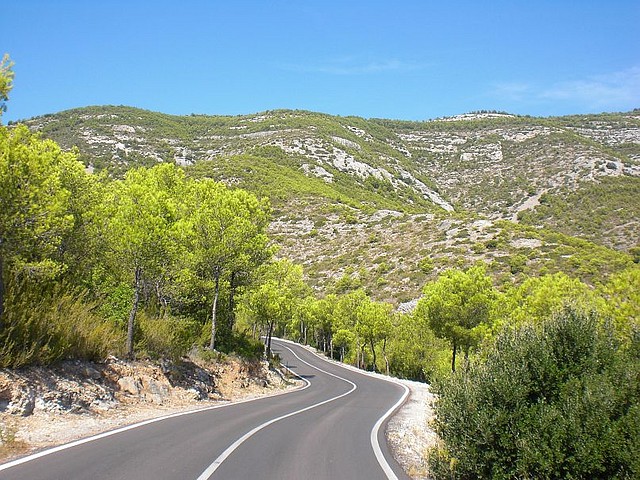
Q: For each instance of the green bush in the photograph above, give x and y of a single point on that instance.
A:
(561, 400)
(44, 324)
(166, 337)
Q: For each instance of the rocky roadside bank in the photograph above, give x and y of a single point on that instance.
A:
(42, 407)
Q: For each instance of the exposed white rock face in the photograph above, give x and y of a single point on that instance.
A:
(380, 214)
(524, 134)
(130, 385)
(347, 163)
(408, 307)
(317, 171)
(526, 243)
(360, 133)
(346, 143)
(475, 116)
(124, 129)
(183, 156)
(609, 136)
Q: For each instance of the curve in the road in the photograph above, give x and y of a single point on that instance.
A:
(375, 431)
(218, 461)
(334, 438)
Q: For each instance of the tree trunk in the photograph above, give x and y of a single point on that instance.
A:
(331, 345)
(384, 354)
(453, 358)
(232, 301)
(132, 313)
(373, 352)
(269, 333)
(214, 308)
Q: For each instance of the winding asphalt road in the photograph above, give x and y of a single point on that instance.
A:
(332, 428)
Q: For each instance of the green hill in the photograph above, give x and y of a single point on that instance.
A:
(388, 204)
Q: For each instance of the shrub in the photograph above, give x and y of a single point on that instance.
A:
(44, 324)
(561, 400)
(166, 337)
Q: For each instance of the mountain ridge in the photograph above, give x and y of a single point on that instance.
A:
(402, 199)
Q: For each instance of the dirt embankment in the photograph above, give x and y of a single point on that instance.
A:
(42, 407)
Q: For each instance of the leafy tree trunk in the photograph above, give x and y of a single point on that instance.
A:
(269, 333)
(453, 357)
(384, 354)
(373, 352)
(214, 308)
(132, 313)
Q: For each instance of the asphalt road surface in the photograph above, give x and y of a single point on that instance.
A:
(333, 428)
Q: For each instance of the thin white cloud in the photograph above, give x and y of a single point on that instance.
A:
(348, 66)
(612, 91)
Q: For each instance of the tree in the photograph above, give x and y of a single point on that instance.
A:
(346, 320)
(273, 302)
(622, 294)
(138, 218)
(539, 297)
(373, 324)
(6, 81)
(34, 204)
(225, 236)
(457, 306)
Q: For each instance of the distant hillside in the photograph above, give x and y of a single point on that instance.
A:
(388, 204)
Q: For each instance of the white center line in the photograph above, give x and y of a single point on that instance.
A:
(224, 455)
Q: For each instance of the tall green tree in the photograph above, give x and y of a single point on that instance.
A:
(138, 217)
(34, 204)
(225, 235)
(622, 294)
(457, 306)
(373, 325)
(273, 302)
(537, 298)
(345, 325)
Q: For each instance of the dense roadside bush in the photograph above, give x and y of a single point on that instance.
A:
(559, 400)
(43, 324)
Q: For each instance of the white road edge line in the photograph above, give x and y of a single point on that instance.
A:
(374, 434)
(92, 438)
(224, 455)
(377, 450)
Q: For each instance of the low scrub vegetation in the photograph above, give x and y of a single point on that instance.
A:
(556, 400)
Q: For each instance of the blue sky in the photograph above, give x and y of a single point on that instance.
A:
(391, 59)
